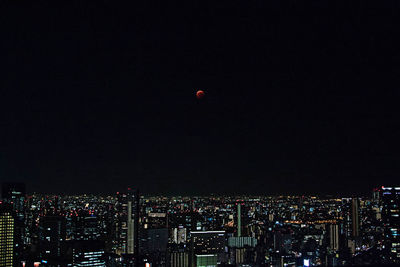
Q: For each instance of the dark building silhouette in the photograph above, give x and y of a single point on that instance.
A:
(355, 218)
(52, 234)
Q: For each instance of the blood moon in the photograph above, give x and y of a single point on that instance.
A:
(200, 94)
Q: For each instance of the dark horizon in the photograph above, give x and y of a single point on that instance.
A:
(299, 97)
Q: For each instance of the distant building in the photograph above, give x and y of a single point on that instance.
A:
(13, 192)
(6, 236)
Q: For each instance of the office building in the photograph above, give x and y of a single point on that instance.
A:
(6, 236)
(52, 234)
(128, 226)
(391, 219)
(206, 245)
(334, 237)
(239, 220)
(355, 218)
(241, 242)
(88, 253)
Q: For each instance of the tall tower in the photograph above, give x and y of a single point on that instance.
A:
(128, 210)
(355, 217)
(14, 194)
(334, 237)
(6, 236)
(239, 220)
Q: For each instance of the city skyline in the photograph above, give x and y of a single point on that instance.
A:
(128, 229)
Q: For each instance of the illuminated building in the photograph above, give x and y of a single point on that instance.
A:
(209, 260)
(391, 220)
(88, 253)
(241, 242)
(6, 236)
(178, 235)
(128, 227)
(208, 244)
(14, 194)
(239, 220)
(86, 228)
(179, 259)
(334, 237)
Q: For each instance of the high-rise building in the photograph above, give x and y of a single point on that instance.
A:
(153, 246)
(179, 259)
(355, 218)
(128, 226)
(86, 228)
(334, 237)
(239, 220)
(14, 194)
(6, 236)
(391, 220)
(52, 234)
(241, 242)
(206, 245)
(88, 253)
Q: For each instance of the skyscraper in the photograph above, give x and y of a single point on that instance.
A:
(128, 228)
(391, 220)
(6, 236)
(334, 237)
(205, 247)
(239, 220)
(14, 194)
(355, 218)
(52, 234)
(88, 253)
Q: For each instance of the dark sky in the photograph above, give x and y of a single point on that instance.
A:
(301, 96)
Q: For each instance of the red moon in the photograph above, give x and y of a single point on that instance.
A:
(200, 94)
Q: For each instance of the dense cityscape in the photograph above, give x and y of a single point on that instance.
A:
(130, 229)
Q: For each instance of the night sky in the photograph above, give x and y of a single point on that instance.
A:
(301, 96)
